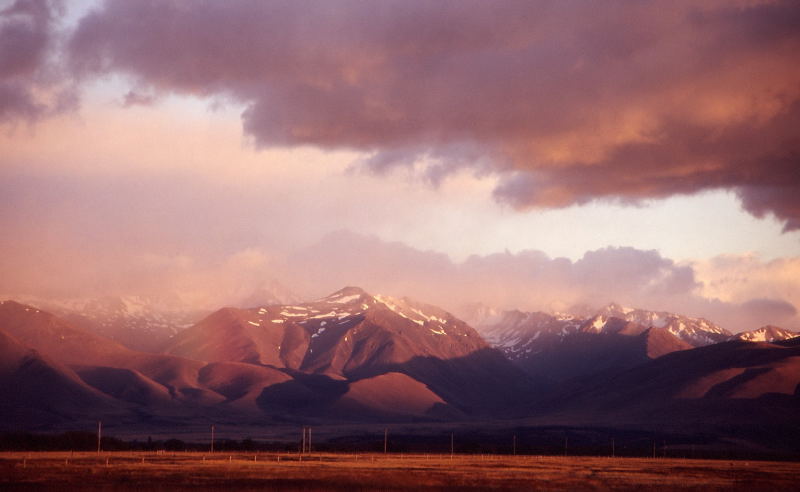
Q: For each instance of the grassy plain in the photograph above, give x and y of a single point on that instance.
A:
(358, 472)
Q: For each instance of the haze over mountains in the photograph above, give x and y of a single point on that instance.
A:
(356, 357)
(147, 322)
(349, 355)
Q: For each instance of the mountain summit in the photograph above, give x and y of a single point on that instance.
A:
(352, 336)
(559, 347)
(348, 356)
(697, 332)
(334, 335)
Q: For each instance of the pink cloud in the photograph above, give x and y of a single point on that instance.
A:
(530, 280)
(569, 102)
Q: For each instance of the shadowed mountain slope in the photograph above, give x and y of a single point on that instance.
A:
(348, 356)
(736, 382)
(36, 391)
(104, 362)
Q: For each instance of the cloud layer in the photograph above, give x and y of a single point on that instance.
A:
(568, 102)
(530, 280)
(139, 246)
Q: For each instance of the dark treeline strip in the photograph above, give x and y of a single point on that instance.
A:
(87, 441)
(553, 441)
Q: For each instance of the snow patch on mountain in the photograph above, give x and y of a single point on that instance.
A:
(767, 333)
(524, 334)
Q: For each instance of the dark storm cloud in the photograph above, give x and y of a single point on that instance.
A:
(27, 35)
(569, 102)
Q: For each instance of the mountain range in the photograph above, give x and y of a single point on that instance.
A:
(559, 347)
(350, 355)
(357, 357)
(146, 323)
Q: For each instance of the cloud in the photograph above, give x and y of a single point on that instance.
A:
(28, 87)
(527, 280)
(530, 280)
(739, 278)
(760, 309)
(137, 98)
(569, 102)
(211, 266)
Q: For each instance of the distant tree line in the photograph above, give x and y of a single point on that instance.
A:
(524, 441)
(87, 441)
(68, 441)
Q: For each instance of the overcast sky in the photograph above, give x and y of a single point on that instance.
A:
(537, 155)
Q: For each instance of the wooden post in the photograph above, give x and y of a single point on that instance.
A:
(451, 446)
(99, 434)
(385, 439)
(566, 441)
(612, 448)
(309, 440)
(514, 446)
(212, 438)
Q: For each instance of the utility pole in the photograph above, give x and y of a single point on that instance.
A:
(385, 440)
(451, 446)
(515, 445)
(305, 447)
(212, 438)
(99, 434)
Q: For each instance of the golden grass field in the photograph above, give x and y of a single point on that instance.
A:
(149, 471)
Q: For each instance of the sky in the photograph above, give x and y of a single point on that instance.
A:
(550, 155)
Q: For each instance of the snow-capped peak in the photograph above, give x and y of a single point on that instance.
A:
(695, 331)
(345, 295)
(767, 333)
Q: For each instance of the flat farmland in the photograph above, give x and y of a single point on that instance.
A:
(355, 472)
